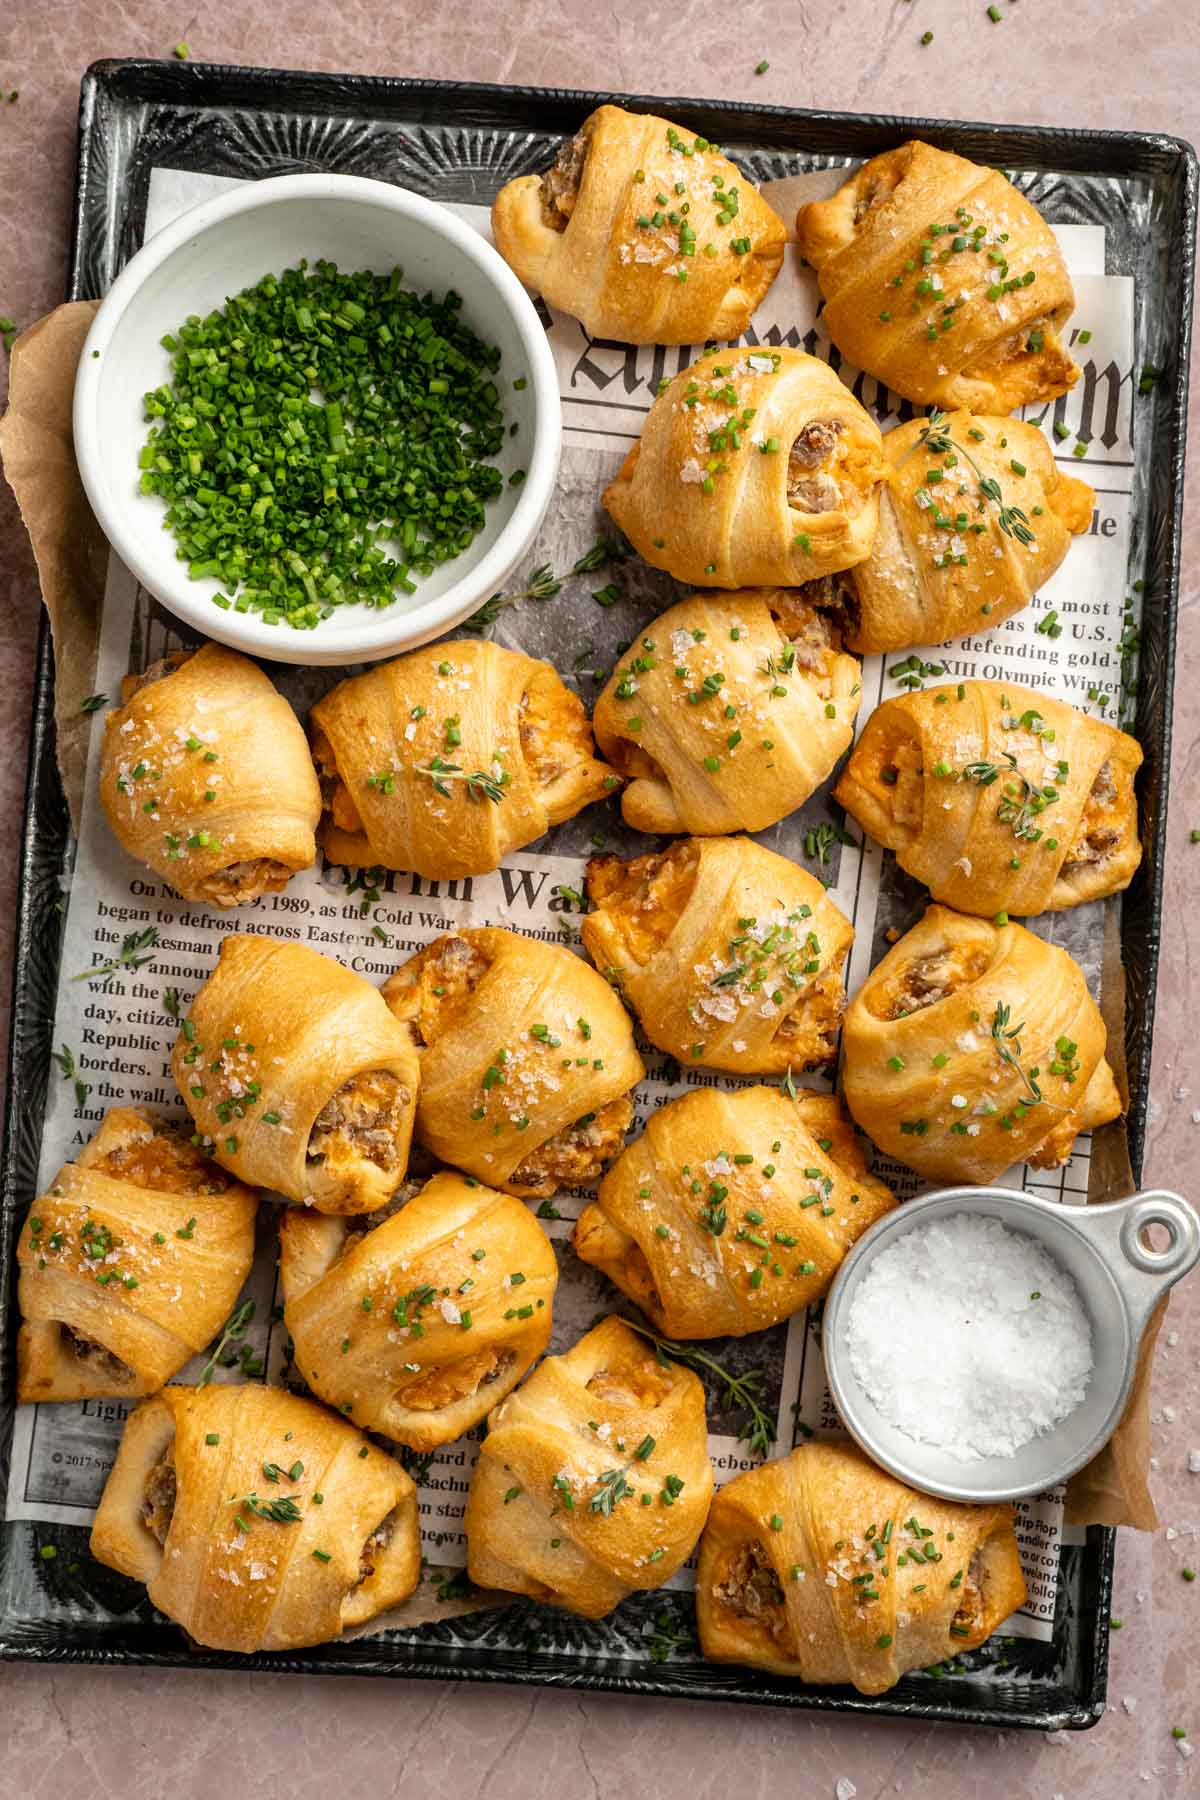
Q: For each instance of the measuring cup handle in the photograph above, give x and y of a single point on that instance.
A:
(1144, 1274)
(1158, 1206)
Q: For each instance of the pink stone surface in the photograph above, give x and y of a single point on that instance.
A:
(86, 1734)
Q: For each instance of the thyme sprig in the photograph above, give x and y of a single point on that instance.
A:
(1007, 1039)
(542, 584)
(1020, 806)
(783, 664)
(231, 1333)
(742, 1393)
(480, 785)
(65, 1058)
(128, 957)
(934, 436)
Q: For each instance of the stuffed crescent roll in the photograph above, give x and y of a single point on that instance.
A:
(730, 712)
(732, 1210)
(527, 1059)
(443, 761)
(754, 467)
(130, 1263)
(257, 1520)
(973, 1046)
(730, 955)
(642, 231)
(822, 1567)
(417, 1325)
(594, 1478)
(297, 1077)
(943, 281)
(205, 775)
(998, 798)
(950, 557)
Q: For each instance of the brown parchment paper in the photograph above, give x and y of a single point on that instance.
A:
(68, 545)
(39, 463)
(1114, 1488)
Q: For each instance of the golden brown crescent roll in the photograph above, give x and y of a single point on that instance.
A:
(130, 1263)
(949, 558)
(205, 775)
(997, 797)
(415, 1326)
(822, 1567)
(443, 761)
(943, 281)
(527, 1059)
(642, 231)
(297, 1076)
(594, 1478)
(258, 1521)
(730, 955)
(754, 466)
(973, 1046)
(732, 1210)
(729, 712)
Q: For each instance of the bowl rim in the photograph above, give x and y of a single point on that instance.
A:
(385, 631)
(898, 1222)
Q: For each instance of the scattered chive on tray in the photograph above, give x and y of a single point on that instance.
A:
(325, 439)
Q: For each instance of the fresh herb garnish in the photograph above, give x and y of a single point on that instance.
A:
(935, 437)
(610, 1488)
(480, 785)
(543, 584)
(232, 1332)
(384, 404)
(283, 1511)
(65, 1058)
(741, 1392)
(1007, 1039)
(666, 1638)
(128, 957)
(819, 842)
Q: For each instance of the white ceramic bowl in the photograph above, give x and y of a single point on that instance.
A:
(227, 244)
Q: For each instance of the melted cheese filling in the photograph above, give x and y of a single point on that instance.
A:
(440, 981)
(576, 1155)
(631, 1381)
(433, 1389)
(644, 899)
(161, 1159)
(927, 980)
(361, 1123)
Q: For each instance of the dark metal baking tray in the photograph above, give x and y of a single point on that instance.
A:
(459, 142)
